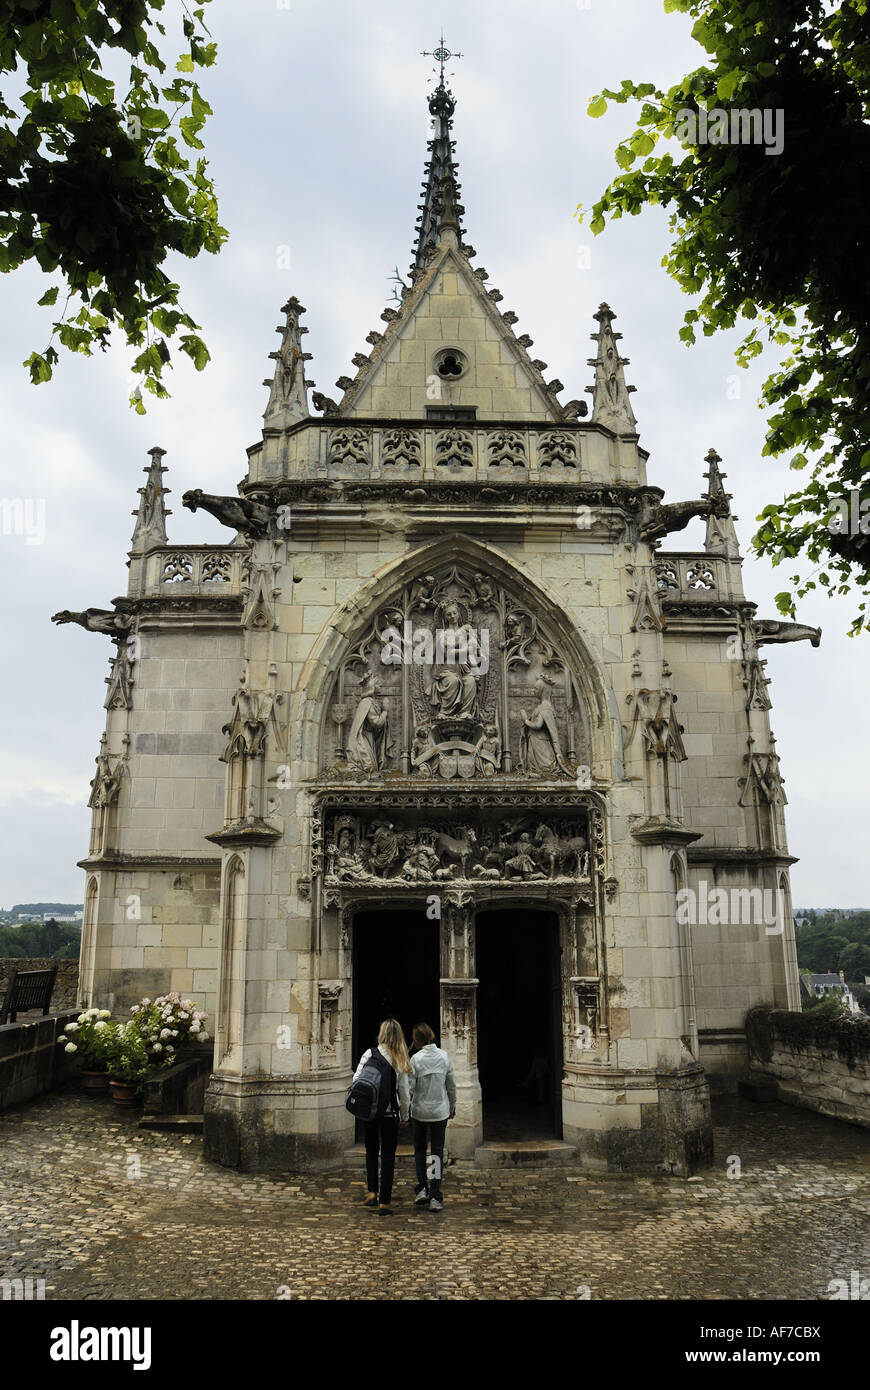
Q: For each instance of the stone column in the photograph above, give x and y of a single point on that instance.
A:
(459, 1019)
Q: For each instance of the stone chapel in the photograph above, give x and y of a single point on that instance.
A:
(443, 732)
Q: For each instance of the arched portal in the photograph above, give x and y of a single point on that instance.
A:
(465, 740)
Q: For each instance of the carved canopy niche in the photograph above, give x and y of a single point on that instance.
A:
(458, 677)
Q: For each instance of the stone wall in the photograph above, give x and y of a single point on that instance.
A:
(31, 1060)
(66, 984)
(819, 1064)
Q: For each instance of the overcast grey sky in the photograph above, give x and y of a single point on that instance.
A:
(318, 144)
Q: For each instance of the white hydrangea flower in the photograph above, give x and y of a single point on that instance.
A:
(71, 1028)
(195, 1026)
(165, 1033)
(99, 1026)
(104, 1013)
(158, 1047)
(70, 1047)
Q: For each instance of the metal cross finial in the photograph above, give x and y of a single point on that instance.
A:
(441, 54)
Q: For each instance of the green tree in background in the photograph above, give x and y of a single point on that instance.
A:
(99, 180)
(780, 242)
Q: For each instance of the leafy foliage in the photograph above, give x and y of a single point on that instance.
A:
(33, 940)
(97, 188)
(778, 242)
(825, 943)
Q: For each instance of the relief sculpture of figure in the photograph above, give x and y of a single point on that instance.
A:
(368, 744)
(453, 692)
(423, 749)
(540, 749)
(521, 864)
(382, 848)
(487, 753)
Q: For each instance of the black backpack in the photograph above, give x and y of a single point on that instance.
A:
(372, 1094)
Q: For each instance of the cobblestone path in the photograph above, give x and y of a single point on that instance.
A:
(100, 1209)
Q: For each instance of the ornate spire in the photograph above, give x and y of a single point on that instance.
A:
(610, 395)
(150, 529)
(721, 537)
(288, 397)
(441, 209)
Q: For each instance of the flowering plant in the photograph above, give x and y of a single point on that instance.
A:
(166, 1025)
(127, 1054)
(90, 1037)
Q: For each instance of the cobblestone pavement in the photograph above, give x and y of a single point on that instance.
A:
(100, 1209)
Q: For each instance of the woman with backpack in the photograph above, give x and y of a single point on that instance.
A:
(433, 1103)
(388, 1103)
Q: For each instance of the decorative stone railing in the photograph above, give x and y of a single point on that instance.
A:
(193, 569)
(682, 576)
(433, 451)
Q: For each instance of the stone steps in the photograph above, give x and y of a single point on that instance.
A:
(525, 1153)
(178, 1124)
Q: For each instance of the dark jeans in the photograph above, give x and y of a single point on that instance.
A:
(434, 1131)
(381, 1134)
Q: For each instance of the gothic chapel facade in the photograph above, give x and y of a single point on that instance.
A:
(324, 813)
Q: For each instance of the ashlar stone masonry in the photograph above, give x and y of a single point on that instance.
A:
(307, 812)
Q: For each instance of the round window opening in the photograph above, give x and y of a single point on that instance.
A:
(450, 363)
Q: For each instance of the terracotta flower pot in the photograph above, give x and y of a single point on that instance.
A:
(124, 1092)
(95, 1083)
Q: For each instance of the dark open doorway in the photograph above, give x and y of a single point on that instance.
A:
(396, 974)
(519, 1034)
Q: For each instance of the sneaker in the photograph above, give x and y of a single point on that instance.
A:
(436, 1204)
(421, 1197)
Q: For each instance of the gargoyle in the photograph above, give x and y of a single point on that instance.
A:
(573, 409)
(243, 513)
(675, 516)
(772, 630)
(97, 620)
(323, 403)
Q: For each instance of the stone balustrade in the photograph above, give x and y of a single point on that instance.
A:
(691, 576)
(193, 569)
(353, 450)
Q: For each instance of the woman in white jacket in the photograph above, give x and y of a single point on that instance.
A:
(433, 1103)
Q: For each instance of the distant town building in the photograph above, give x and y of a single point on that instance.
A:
(820, 985)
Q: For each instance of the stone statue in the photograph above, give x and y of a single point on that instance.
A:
(382, 850)
(97, 620)
(540, 749)
(486, 593)
(453, 692)
(487, 753)
(423, 592)
(368, 743)
(667, 517)
(423, 750)
(420, 862)
(252, 518)
(522, 865)
(772, 630)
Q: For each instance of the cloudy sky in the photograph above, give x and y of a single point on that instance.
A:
(317, 144)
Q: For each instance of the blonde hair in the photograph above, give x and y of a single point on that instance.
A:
(392, 1038)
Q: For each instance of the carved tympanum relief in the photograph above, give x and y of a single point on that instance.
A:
(456, 678)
